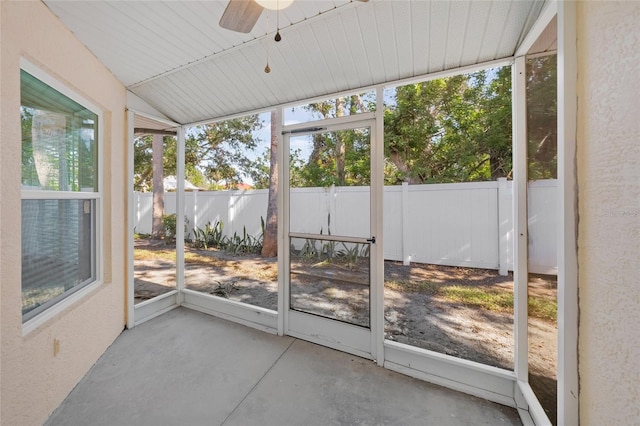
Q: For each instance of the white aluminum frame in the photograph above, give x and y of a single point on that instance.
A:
(364, 342)
(510, 388)
(144, 311)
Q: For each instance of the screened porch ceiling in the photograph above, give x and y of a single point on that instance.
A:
(174, 56)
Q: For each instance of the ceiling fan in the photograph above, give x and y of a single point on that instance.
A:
(242, 15)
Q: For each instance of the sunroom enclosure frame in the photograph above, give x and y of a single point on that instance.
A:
(510, 388)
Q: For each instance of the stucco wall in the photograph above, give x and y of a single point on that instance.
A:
(609, 211)
(33, 380)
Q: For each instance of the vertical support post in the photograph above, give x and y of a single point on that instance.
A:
(180, 215)
(130, 320)
(283, 224)
(377, 194)
(520, 166)
(404, 222)
(504, 212)
(568, 403)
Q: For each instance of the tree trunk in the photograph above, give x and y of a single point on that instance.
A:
(157, 230)
(270, 237)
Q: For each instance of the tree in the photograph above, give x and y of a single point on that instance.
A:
(339, 158)
(270, 236)
(453, 129)
(215, 155)
(220, 150)
(542, 118)
(157, 228)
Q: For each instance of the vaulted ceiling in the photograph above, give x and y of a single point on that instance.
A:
(175, 56)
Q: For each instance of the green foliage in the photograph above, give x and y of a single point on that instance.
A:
(327, 250)
(492, 299)
(224, 289)
(169, 225)
(350, 253)
(212, 237)
(340, 158)
(220, 149)
(542, 119)
(139, 236)
(215, 154)
(453, 129)
(308, 250)
(247, 244)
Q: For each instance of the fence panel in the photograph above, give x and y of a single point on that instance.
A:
(543, 214)
(463, 224)
(392, 213)
(454, 224)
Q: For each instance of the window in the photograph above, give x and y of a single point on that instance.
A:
(60, 195)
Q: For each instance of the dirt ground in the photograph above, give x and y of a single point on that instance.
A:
(412, 316)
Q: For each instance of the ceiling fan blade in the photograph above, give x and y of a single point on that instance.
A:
(240, 15)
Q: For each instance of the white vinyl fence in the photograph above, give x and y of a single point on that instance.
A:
(462, 224)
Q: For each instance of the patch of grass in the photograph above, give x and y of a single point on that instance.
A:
(170, 256)
(267, 273)
(147, 254)
(198, 259)
(423, 287)
(540, 307)
(492, 300)
(496, 300)
(263, 273)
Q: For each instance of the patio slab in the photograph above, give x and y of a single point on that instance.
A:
(188, 368)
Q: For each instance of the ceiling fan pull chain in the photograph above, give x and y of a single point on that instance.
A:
(278, 37)
(267, 69)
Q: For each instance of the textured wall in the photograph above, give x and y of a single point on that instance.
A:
(33, 380)
(609, 211)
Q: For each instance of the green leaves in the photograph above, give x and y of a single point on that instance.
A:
(216, 155)
(453, 129)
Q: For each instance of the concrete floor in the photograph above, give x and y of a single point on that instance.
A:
(188, 368)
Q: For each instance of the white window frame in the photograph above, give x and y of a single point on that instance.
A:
(81, 290)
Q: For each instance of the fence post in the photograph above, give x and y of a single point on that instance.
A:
(504, 226)
(332, 209)
(195, 209)
(232, 212)
(404, 224)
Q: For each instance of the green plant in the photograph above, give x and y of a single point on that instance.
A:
(210, 236)
(350, 254)
(169, 224)
(224, 289)
(139, 236)
(244, 245)
(309, 249)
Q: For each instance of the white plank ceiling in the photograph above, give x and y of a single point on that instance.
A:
(174, 55)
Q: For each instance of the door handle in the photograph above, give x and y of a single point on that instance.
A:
(372, 240)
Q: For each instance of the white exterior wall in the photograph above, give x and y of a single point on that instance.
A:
(34, 380)
(608, 163)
